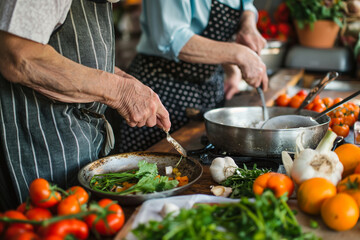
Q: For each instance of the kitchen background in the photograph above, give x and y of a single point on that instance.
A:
(276, 23)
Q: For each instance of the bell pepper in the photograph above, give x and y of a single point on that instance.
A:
(279, 183)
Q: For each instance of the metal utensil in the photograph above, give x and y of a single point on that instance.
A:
(329, 77)
(176, 145)
(296, 121)
(265, 110)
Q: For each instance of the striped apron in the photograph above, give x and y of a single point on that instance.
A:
(180, 85)
(44, 138)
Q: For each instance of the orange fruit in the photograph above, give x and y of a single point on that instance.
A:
(349, 156)
(312, 193)
(340, 212)
(357, 169)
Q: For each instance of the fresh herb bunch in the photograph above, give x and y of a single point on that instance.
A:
(309, 11)
(264, 218)
(146, 179)
(242, 181)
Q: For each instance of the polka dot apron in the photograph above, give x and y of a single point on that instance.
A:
(180, 85)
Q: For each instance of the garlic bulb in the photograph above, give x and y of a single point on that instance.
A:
(321, 162)
(169, 208)
(222, 168)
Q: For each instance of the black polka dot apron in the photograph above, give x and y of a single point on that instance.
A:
(180, 85)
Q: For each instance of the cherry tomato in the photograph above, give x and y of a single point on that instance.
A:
(38, 214)
(318, 107)
(296, 101)
(27, 235)
(79, 193)
(42, 195)
(302, 93)
(341, 130)
(309, 106)
(114, 220)
(282, 100)
(337, 100)
(69, 205)
(14, 231)
(328, 101)
(66, 227)
(24, 207)
(336, 121)
(18, 215)
(338, 114)
(317, 100)
(349, 119)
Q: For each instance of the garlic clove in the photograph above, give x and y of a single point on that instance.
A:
(169, 208)
(221, 191)
(287, 162)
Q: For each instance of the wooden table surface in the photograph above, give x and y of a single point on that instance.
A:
(189, 137)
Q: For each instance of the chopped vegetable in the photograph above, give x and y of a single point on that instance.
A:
(242, 181)
(143, 180)
(309, 163)
(264, 218)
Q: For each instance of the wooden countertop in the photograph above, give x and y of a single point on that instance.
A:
(189, 137)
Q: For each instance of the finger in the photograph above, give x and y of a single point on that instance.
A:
(163, 119)
(265, 82)
(232, 91)
(151, 121)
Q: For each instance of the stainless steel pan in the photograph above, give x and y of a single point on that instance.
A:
(234, 130)
(128, 161)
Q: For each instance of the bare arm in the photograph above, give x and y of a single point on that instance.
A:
(203, 50)
(41, 68)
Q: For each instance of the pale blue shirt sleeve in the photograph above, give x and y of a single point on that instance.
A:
(167, 25)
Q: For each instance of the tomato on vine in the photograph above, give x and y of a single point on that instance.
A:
(69, 205)
(282, 100)
(38, 214)
(66, 227)
(111, 223)
(42, 194)
(80, 193)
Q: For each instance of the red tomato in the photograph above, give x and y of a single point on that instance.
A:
(14, 231)
(18, 215)
(341, 130)
(26, 236)
(38, 214)
(336, 100)
(24, 207)
(318, 107)
(317, 100)
(79, 193)
(42, 195)
(302, 93)
(282, 100)
(309, 106)
(296, 101)
(53, 237)
(66, 227)
(336, 121)
(114, 220)
(349, 119)
(328, 101)
(69, 205)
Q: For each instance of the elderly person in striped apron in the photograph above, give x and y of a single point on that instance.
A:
(180, 53)
(57, 77)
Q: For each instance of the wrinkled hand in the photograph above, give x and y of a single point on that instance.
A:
(139, 105)
(252, 68)
(251, 37)
(232, 80)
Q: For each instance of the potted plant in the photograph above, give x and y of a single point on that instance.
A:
(317, 22)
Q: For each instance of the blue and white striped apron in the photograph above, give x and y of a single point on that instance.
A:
(49, 139)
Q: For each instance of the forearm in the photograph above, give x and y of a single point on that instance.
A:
(248, 19)
(41, 68)
(203, 50)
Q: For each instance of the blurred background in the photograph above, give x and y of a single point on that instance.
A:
(279, 25)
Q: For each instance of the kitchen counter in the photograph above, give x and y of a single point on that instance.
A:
(189, 137)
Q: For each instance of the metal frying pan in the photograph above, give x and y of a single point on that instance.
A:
(236, 130)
